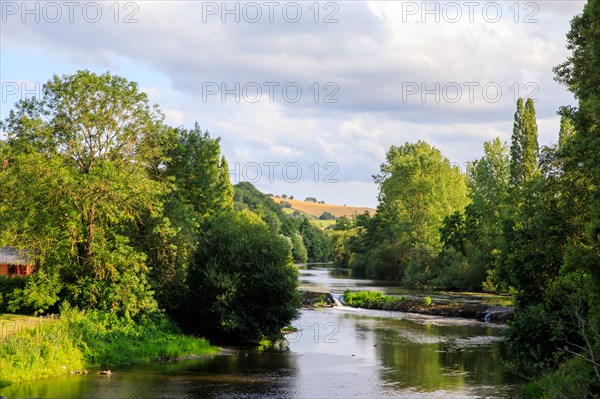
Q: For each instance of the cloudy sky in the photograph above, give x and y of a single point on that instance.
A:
(307, 96)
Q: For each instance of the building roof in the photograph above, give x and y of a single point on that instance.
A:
(12, 256)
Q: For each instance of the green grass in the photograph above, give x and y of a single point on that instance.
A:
(40, 352)
(11, 323)
(78, 341)
(367, 298)
(290, 211)
(323, 223)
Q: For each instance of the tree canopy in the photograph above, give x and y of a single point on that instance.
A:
(122, 213)
(243, 283)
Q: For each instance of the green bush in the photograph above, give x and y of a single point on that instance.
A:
(38, 294)
(243, 283)
(7, 287)
(573, 379)
(459, 272)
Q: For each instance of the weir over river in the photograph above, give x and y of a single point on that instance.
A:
(337, 352)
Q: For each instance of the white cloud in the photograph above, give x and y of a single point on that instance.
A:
(374, 58)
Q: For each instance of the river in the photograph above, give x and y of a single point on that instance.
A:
(337, 352)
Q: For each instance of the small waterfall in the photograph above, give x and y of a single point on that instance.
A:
(338, 299)
(498, 313)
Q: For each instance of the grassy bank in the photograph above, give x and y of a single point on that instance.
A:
(95, 340)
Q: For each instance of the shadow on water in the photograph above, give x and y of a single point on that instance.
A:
(250, 375)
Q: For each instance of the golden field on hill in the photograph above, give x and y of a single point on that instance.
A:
(317, 210)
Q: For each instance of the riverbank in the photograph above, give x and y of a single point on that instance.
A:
(377, 301)
(78, 342)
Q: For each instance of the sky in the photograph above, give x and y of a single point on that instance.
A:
(308, 96)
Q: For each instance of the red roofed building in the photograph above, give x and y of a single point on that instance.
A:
(14, 263)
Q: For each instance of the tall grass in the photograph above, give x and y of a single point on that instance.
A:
(79, 340)
(44, 351)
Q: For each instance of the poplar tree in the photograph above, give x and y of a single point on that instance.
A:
(524, 149)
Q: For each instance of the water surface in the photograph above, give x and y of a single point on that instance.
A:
(337, 353)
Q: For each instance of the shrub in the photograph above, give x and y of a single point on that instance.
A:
(242, 283)
(8, 285)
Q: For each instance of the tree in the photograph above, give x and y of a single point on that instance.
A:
(418, 188)
(567, 129)
(524, 147)
(555, 247)
(290, 228)
(343, 223)
(316, 242)
(201, 174)
(242, 282)
(81, 161)
(326, 216)
(199, 177)
(340, 247)
(488, 180)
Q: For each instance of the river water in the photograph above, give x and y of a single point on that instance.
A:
(337, 352)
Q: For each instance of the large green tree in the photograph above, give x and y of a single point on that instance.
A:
(418, 188)
(200, 188)
(242, 282)
(473, 238)
(79, 178)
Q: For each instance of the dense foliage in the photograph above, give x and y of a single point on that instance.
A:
(528, 222)
(117, 209)
(418, 189)
(309, 242)
(125, 215)
(242, 282)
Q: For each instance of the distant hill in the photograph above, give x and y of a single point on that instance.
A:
(316, 209)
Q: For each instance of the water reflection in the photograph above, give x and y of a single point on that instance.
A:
(380, 357)
(321, 278)
(338, 352)
(244, 375)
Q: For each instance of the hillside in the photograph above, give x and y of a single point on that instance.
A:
(316, 209)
